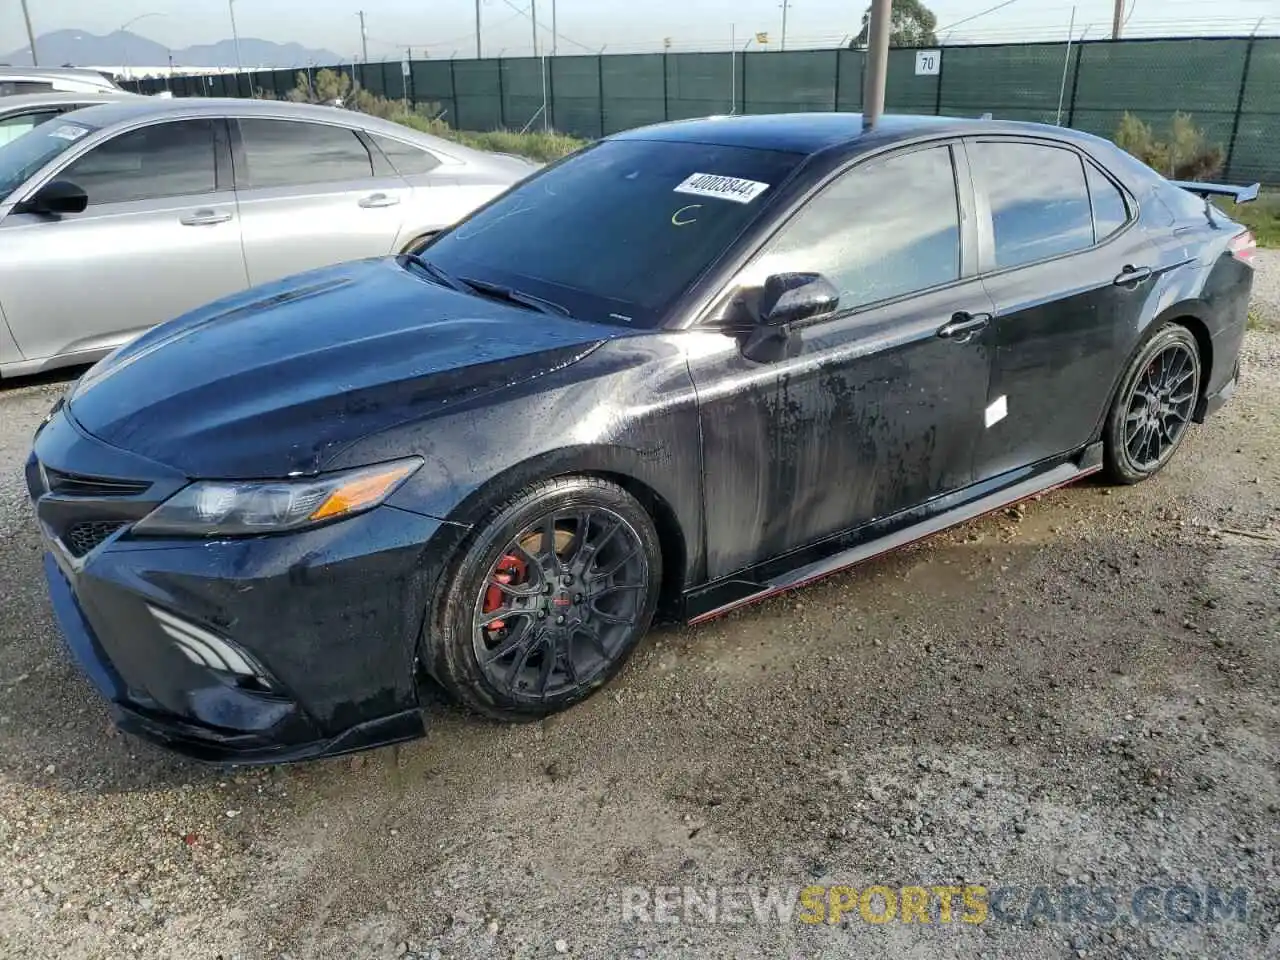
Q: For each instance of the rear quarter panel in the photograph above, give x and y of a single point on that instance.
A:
(1209, 286)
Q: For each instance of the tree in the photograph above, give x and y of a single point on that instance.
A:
(329, 85)
(912, 24)
(1185, 155)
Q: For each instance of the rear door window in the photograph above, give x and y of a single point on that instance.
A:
(291, 153)
(407, 159)
(162, 160)
(1038, 198)
(1110, 211)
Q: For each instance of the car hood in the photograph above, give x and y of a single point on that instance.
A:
(278, 380)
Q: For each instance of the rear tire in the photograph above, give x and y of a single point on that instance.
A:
(546, 600)
(1152, 410)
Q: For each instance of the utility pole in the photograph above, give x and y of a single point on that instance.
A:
(364, 42)
(235, 34)
(733, 69)
(533, 18)
(1117, 22)
(554, 32)
(1066, 64)
(478, 54)
(31, 37)
(785, 4)
(877, 62)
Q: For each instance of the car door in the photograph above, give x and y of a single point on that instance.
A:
(434, 199)
(309, 197)
(159, 237)
(871, 411)
(1069, 274)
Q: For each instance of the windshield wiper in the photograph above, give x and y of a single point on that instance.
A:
(438, 274)
(499, 292)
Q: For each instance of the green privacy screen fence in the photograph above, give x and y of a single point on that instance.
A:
(1230, 86)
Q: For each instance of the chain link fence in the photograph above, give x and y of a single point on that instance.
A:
(1229, 86)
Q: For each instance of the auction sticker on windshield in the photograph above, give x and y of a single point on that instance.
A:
(68, 131)
(726, 188)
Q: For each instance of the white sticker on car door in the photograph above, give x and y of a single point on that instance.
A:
(997, 411)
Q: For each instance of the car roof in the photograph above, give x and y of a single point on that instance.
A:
(137, 109)
(144, 108)
(810, 133)
(22, 101)
(79, 74)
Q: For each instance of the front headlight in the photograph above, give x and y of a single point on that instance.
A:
(227, 508)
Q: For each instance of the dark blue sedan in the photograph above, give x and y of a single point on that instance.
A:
(684, 369)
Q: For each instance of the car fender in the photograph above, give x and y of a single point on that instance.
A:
(627, 410)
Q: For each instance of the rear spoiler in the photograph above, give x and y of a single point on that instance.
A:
(1209, 190)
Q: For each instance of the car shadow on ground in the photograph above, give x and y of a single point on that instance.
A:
(56, 733)
(63, 376)
(50, 717)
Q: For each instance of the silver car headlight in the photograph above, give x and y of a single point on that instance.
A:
(230, 508)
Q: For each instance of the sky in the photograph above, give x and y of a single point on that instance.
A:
(444, 28)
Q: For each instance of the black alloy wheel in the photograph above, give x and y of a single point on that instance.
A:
(558, 589)
(1150, 417)
(560, 602)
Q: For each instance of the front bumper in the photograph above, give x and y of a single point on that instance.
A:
(329, 617)
(190, 737)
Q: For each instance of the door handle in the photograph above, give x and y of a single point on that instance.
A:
(963, 326)
(204, 218)
(379, 200)
(1132, 276)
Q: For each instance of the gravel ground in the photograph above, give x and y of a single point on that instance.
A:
(1079, 693)
(1266, 291)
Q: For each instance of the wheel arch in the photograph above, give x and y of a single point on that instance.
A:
(669, 508)
(1189, 314)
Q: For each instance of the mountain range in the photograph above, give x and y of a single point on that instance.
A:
(124, 48)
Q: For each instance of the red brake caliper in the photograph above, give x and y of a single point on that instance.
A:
(511, 569)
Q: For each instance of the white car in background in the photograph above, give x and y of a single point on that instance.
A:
(123, 215)
(19, 80)
(21, 113)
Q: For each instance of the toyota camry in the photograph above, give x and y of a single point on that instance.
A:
(684, 369)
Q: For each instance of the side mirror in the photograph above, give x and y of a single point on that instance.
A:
(789, 297)
(58, 197)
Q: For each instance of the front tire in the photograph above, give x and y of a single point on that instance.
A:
(1153, 407)
(547, 600)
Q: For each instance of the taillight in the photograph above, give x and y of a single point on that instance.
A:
(1244, 247)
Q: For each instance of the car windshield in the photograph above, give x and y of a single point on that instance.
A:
(21, 158)
(616, 233)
